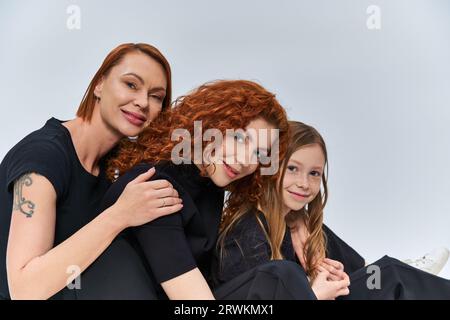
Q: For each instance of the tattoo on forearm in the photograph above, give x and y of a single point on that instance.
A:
(20, 203)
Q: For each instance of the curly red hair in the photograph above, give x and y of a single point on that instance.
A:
(222, 104)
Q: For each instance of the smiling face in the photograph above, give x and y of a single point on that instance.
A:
(241, 152)
(131, 94)
(303, 176)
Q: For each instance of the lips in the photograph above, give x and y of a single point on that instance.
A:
(232, 173)
(299, 196)
(134, 118)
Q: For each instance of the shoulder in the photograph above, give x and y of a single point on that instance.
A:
(44, 151)
(45, 141)
(117, 187)
(162, 172)
(250, 226)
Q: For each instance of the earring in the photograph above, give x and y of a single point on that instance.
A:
(116, 174)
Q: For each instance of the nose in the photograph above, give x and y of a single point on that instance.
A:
(303, 181)
(244, 154)
(141, 101)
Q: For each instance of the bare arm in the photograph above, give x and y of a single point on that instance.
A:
(36, 269)
(188, 286)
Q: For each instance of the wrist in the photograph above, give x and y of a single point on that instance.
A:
(115, 219)
(317, 294)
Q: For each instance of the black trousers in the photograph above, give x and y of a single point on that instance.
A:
(286, 281)
(397, 281)
(119, 273)
(275, 280)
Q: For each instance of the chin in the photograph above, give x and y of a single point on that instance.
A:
(127, 129)
(130, 132)
(221, 182)
(295, 206)
(218, 177)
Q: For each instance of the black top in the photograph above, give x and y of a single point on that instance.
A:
(50, 152)
(177, 243)
(246, 247)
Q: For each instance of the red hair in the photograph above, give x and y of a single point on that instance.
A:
(86, 108)
(223, 104)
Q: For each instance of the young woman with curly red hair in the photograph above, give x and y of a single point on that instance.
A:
(170, 257)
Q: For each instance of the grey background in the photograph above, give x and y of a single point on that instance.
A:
(379, 97)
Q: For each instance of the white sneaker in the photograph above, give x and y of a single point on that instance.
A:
(432, 262)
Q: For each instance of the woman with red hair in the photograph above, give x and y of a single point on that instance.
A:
(249, 126)
(53, 180)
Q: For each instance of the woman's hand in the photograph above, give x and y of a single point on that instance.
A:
(327, 289)
(143, 201)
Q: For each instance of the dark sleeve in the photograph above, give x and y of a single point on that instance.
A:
(338, 250)
(44, 157)
(245, 247)
(163, 241)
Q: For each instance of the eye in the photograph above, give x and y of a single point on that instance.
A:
(292, 168)
(261, 154)
(156, 97)
(131, 85)
(316, 173)
(239, 137)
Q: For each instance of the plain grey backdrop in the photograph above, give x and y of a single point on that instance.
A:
(380, 97)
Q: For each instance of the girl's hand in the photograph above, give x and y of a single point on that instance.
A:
(335, 268)
(143, 201)
(326, 289)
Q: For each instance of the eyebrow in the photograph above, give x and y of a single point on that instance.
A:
(142, 81)
(292, 160)
(250, 136)
(135, 75)
(259, 148)
(301, 164)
